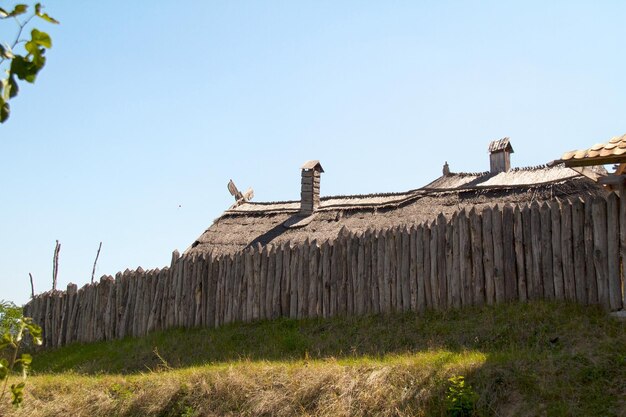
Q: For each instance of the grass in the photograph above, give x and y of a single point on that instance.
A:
(541, 358)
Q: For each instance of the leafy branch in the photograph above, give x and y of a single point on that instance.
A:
(25, 65)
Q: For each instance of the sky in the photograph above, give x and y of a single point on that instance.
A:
(145, 110)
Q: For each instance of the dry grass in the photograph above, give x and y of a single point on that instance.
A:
(520, 360)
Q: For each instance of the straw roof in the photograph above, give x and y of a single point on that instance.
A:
(275, 223)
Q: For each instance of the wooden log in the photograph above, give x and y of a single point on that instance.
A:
(421, 285)
(236, 286)
(278, 279)
(466, 260)
(455, 283)
(488, 256)
(535, 232)
(546, 252)
(498, 254)
(567, 250)
(303, 279)
(434, 262)
(388, 255)
(613, 253)
(312, 298)
(326, 274)
(510, 267)
(294, 268)
(398, 267)
(557, 256)
(428, 291)
(622, 239)
(367, 284)
(381, 271)
(263, 284)
(590, 270)
(285, 281)
(600, 251)
(578, 237)
(441, 261)
(449, 261)
(270, 281)
(335, 272)
(349, 272)
(229, 289)
(374, 279)
(413, 266)
(528, 250)
(404, 275)
(478, 276)
(518, 231)
(358, 286)
(256, 280)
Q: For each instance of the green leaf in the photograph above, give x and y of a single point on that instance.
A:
(17, 393)
(4, 111)
(41, 38)
(4, 369)
(3, 13)
(18, 10)
(44, 16)
(24, 69)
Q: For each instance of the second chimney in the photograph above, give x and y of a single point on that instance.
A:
(310, 187)
(500, 155)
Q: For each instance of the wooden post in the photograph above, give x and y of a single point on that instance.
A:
(421, 286)
(449, 261)
(375, 278)
(413, 267)
(427, 281)
(326, 270)
(478, 276)
(359, 287)
(404, 269)
(455, 284)
(285, 281)
(518, 231)
(528, 251)
(546, 253)
(622, 239)
(434, 259)
(294, 272)
(508, 237)
(557, 257)
(591, 284)
(498, 254)
(263, 284)
(466, 283)
(613, 252)
(312, 296)
(382, 272)
(600, 245)
(441, 261)
(535, 232)
(567, 250)
(578, 236)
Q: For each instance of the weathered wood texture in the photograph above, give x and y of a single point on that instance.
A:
(563, 250)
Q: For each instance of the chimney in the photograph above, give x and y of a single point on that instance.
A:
(310, 188)
(500, 155)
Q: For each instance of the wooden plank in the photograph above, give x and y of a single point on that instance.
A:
(313, 310)
(342, 267)
(335, 271)
(557, 256)
(278, 280)
(535, 232)
(303, 279)
(600, 251)
(567, 250)
(434, 258)
(578, 237)
(455, 284)
(498, 254)
(528, 250)
(546, 252)
(466, 260)
(270, 307)
(391, 249)
(510, 267)
(359, 290)
(590, 271)
(413, 268)
(350, 269)
(613, 253)
(441, 261)
(263, 284)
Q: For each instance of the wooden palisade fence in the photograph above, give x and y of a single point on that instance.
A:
(558, 250)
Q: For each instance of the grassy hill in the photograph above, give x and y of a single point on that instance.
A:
(517, 359)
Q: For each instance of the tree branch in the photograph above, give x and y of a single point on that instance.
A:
(93, 272)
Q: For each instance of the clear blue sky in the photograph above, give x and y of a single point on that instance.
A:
(145, 110)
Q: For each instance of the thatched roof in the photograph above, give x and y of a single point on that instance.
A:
(253, 223)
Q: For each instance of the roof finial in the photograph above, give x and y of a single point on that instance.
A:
(446, 169)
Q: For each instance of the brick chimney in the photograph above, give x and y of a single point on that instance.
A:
(310, 187)
(500, 155)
